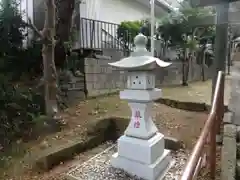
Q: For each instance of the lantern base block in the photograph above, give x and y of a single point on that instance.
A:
(144, 158)
(154, 171)
(144, 151)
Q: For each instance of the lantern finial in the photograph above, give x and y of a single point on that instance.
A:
(140, 41)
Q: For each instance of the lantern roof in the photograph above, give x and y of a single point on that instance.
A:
(140, 57)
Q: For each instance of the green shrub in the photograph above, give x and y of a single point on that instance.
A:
(14, 59)
(19, 105)
(127, 31)
(18, 108)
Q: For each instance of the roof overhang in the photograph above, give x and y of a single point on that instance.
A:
(164, 5)
(160, 5)
(202, 3)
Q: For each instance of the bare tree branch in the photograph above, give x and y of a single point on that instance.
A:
(39, 33)
(34, 28)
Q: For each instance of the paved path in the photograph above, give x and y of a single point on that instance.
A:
(195, 92)
(234, 103)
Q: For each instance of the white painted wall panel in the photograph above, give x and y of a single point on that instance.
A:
(90, 9)
(116, 11)
(111, 11)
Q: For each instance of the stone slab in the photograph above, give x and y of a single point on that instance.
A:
(99, 168)
(147, 152)
(228, 118)
(230, 130)
(155, 171)
(172, 143)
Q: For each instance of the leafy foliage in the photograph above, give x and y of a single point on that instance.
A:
(14, 59)
(19, 108)
(180, 29)
(11, 27)
(19, 105)
(129, 29)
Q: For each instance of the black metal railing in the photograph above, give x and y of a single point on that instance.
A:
(95, 34)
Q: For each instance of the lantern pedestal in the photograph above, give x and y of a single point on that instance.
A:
(141, 149)
(141, 101)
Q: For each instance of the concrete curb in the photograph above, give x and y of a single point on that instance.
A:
(229, 157)
(228, 118)
(188, 106)
(184, 105)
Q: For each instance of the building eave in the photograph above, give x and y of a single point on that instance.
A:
(165, 6)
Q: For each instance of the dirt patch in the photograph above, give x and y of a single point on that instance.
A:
(180, 124)
(183, 125)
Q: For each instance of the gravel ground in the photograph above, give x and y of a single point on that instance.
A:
(99, 168)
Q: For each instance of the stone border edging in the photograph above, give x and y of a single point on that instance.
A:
(184, 105)
(188, 106)
(52, 158)
(228, 154)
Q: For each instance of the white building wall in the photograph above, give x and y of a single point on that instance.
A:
(89, 9)
(114, 11)
(111, 11)
(26, 8)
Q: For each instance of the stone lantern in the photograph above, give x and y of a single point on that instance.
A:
(141, 149)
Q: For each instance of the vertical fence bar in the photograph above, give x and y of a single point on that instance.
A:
(212, 153)
(198, 168)
(105, 36)
(86, 33)
(221, 108)
(115, 37)
(81, 39)
(82, 27)
(101, 35)
(92, 28)
(98, 35)
(108, 29)
(222, 95)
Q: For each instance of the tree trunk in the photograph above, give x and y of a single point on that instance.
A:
(203, 62)
(64, 23)
(50, 74)
(185, 68)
